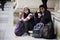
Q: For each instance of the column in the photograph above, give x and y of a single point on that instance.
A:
(57, 5)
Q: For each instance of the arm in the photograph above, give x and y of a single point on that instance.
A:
(46, 18)
(21, 17)
(28, 17)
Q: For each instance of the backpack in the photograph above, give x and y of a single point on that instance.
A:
(43, 31)
(37, 31)
(48, 31)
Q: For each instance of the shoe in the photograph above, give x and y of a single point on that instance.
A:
(25, 34)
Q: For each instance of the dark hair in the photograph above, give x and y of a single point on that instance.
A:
(25, 15)
(43, 6)
(27, 9)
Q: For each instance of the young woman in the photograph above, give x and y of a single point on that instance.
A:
(26, 23)
(45, 18)
(28, 20)
(45, 15)
(37, 17)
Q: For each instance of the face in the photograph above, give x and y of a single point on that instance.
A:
(26, 10)
(42, 9)
(20, 14)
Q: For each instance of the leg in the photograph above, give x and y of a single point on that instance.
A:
(26, 24)
(19, 31)
(2, 5)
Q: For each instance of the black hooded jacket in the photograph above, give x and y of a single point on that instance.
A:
(46, 18)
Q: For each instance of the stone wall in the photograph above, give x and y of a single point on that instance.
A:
(32, 4)
(57, 5)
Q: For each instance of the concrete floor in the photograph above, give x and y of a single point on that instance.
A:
(25, 37)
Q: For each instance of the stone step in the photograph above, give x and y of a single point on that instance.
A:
(5, 15)
(6, 22)
(8, 6)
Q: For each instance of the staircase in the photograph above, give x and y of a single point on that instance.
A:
(6, 25)
(6, 18)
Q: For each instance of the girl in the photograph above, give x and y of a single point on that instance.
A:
(28, 20)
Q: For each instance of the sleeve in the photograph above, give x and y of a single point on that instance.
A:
(36, 15)
(29, 16)
(46, 18)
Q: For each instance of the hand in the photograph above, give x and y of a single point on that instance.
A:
(24, 20)
(39, 15)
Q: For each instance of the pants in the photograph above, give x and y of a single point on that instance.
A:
(25, 26)
(28, 26)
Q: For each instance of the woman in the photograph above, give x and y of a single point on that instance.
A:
(45, 18)
(37, 17)
(26, 22)
(45, 15)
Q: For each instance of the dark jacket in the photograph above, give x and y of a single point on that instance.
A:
(46, 18)
(31, 20)
(36, 19)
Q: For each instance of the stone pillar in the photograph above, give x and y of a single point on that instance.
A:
(57, 17)
(57, 5)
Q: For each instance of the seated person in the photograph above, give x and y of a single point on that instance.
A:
(45, 15)
(26, 22)
(37, 17)
(28, 19)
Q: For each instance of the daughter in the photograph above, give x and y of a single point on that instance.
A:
(21, 17)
